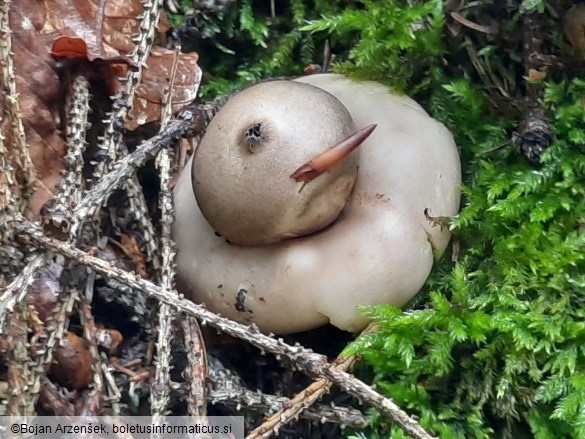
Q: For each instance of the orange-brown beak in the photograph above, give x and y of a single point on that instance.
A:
(331, 157)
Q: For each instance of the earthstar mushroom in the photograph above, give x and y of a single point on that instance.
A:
(256, 248)
(243, 166)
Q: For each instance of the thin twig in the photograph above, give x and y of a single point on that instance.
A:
(122, 171)
(56, 327)
(196, 355)
(64, 200)
(490, 30)
(112, 143)
(229, 390)
(24, 160)
(303, 399)
(296, 406)
(313, 364)
(266, 404)
(16, 292)
(60, 207)
(89, 335)
(10, 192)
(9, 196)
(554, 61)
(18, 364)
(161, 388)
(196, 372)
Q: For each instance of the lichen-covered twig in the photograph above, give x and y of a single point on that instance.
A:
(11, 99)
(302, 400)
(68, 196)
(123, 170)
(313, 364)
(11, 258)
(160, 394)
(16, 291)
(195, 373)
(229, 390)
(18, 364)
(112, 143)
(59, 210)
(9, 197)
(89, 335)
(42, 357)
(266, 404)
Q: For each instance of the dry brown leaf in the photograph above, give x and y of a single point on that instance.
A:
(132, 249)
(109, 339)
(72, 363)
(96, 33)
(575, 26)
(150, 94)
(535, 75)
(106, 26)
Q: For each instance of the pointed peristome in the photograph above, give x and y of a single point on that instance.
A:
(332, 157)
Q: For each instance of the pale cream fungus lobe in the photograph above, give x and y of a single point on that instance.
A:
(356, 234)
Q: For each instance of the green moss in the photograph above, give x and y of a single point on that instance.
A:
(247, 42)
(385, 31)
(498, 349)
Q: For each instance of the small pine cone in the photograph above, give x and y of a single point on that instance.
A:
(534, 135)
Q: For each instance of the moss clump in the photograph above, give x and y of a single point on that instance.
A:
(246, 41)
(497, 349)
(384, 32)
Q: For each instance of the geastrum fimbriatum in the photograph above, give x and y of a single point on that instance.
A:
(283, 221)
